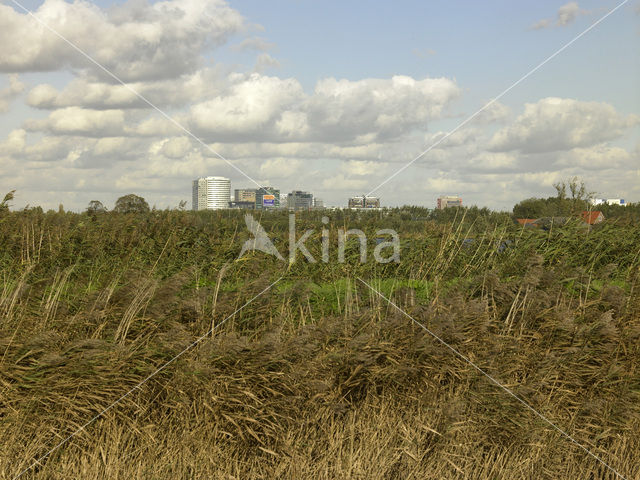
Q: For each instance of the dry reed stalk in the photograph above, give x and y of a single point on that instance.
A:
(10, 297)
(221, 273)
(50, 305)
(139, 302)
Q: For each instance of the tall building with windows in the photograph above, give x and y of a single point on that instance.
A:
(244, 195)
(448, 201)
(211, 193)
(299, 200)
(267, 197)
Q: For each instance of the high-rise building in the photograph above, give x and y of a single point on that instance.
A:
(267, 198)
(244, 195)
(318, 203)
(364, 202)
(449, 201)
(211, 193)
(299, 200)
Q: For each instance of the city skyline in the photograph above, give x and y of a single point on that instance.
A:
(385, 86)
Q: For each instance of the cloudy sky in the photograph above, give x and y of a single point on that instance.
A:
(333, 97)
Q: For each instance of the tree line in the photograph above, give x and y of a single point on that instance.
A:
(571, 199)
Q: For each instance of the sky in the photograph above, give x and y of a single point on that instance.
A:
(331, 97)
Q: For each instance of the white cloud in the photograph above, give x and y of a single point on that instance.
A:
(554, 124)
(540, 24)
(265, 62)
(569, 12)
(303, 150)
(248, 108)
(136, 40)
(341, 182)
(82, 93)
(464, 136)
(387, 108)
(360, 167)
(254, 43)
(292, 125)
(566, 15)
(15, 142)
(262, 108)
(496, 112)
(49, 150)
(86, 92)
(176, 147)
(158, 126)
(112, 146)
(447, 185)
(9, 93)
(280, 167)
(494, 162)
(80, 121)
(599, 157)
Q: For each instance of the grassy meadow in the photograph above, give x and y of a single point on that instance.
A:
(319, 377)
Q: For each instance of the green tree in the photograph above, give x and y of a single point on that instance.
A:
(579, 200)
(571, 198)
(96, 206)
(131, 204)
(630, 212)
(531, 208)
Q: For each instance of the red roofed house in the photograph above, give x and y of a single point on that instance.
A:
(592, 217)
(527, 222)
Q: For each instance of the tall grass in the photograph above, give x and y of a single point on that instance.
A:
(318, 377)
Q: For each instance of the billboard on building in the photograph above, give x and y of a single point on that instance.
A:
(268, 200)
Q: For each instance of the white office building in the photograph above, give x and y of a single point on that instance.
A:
(608, 201)
(446, 201)
(211, 193)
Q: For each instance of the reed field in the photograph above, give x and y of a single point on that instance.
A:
(318, 377)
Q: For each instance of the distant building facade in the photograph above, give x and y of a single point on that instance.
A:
(267, 198)
(446, 201)
(318, 203)
(244, 195)
(299, 200)
(211, 193)
(608, 201)
(364, 202)
(243, 205)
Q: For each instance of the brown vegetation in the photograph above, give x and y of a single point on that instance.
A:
(319, 377)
